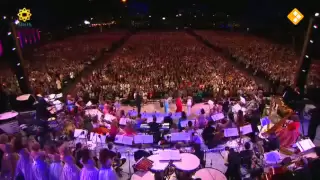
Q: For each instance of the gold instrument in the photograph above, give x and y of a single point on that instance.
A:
(278, 114)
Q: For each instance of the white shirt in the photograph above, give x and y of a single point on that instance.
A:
(58, 82)
(189, 102)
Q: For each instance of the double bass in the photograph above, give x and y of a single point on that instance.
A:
(278, 115)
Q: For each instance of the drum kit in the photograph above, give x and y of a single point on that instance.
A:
(187, 168)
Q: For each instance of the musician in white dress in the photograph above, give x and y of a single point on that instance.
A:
(106, 171)
(70, 170)
(24, 165)
(89, 171)
(55, 167)
(40, 167)
(189, 105)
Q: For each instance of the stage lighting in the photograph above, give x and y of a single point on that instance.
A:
(163, 18)
(18, 64)
(86, 22)
(124, 1)
(16, 22)
(13, 49)
(21, 77)
(316, 14)
(315, 26)
(4, 17)
(9, 33)
(311, 41)
(307, 56)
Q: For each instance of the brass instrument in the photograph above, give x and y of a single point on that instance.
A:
(278, 114)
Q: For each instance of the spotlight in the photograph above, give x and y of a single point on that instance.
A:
(316, 14)
(4, 17)
(163, 18)
(16, 22)
(86, 22)
(311, 41)
(13, 49)
(315, 26)
(9, 33)
(18, 64)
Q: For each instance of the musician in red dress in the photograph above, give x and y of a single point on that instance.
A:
(179, 104)
(289, 135)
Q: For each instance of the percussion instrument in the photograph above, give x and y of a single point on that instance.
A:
(210, 174)
(139, 175)
(187, 166)
(158, 167)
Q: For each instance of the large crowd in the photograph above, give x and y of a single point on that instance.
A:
(162, 63)
(51, 65)
(279, 62)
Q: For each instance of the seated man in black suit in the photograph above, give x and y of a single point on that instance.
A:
(117, 158)
(246, 156)
(168, 119)
(155, 129)
(140, 153)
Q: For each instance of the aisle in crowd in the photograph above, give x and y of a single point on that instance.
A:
(51, 65)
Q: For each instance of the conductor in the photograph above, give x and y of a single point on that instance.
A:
(138, 100)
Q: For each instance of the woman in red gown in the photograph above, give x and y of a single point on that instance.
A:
(289, 135)
(179, 104)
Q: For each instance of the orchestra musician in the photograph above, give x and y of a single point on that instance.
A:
(246, 155)
(233, 165)
(140, 153)
(118, 160)
(155, 129)
(208, 135)
(289, 134)
(199, 153)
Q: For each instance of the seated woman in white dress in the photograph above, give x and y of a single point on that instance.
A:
(55, 167)
(89, 171)
(70, 170)
(106, 171)
(23, 170)
(40, 168)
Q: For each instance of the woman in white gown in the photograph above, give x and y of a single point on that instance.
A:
(89, 171)
(70, 170)
(55, 167)
(40, 167)
(24, 164)
(106, 171)
(189, 105)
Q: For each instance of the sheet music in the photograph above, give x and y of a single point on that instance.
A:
(265, 121)
(242, 99)
(246, 129)
(170, 155)
(149, 119)
(236, 108)
(127, 140)
(143, 139)
(231, 132)
(118, 139)
(181, 136)
(305, 145)
(59, 95)
(272, 157)
(217, 117)
(80, 133)
(89, 103)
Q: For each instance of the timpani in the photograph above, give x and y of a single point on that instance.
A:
(158, 167)
(210, 174)
(139, 175)
(187, 166)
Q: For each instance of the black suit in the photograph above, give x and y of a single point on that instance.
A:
(138, 102)
(233, 171)
(140, 154)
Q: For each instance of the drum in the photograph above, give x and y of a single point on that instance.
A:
(158, 167)
(142, 176)
(187, 166)
(210, 174)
